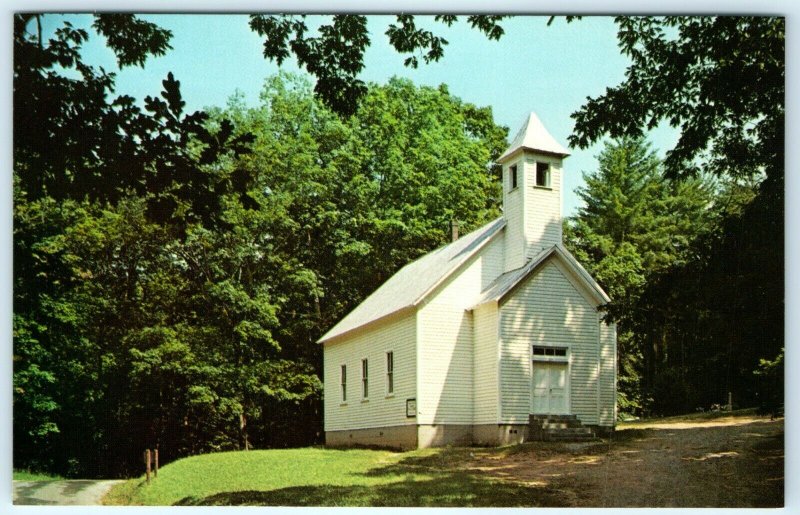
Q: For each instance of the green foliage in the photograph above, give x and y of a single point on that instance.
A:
(132, 39)
(725, 304)
(634, 225)
(27, 475)
(706, 319)
(144, 314)
(335, 56)
(720, 79)
(350, 202)
(173, 271)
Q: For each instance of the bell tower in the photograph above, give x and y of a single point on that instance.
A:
(531, 193)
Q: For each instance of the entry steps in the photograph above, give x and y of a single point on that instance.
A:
(559, 428)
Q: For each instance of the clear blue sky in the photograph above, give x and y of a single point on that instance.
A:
(549, 70)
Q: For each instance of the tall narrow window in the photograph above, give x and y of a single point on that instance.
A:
(512, 172)
(344, 383)
(543, 174)
(389, 372)
(364, 379)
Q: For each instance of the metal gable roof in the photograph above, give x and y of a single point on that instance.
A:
(415, 281)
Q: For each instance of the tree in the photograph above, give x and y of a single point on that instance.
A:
(349, 202)
(108, 197)
(635, 225)
(719, 78)
(173, 271)
(336, 56)
(721, 81)
(716, 316)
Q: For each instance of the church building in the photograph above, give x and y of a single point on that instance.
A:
(495, 338)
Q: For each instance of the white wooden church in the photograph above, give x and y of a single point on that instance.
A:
(480, 339)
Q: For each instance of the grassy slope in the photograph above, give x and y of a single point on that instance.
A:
(355, 477)
(25, 475)
(326, 477)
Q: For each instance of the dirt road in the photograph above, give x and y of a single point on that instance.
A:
(725, 462)
(74, 492)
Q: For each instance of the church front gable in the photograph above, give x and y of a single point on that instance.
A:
(549, 348)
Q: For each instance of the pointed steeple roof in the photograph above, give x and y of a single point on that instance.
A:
(533, 136)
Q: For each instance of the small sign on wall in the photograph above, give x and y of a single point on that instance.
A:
(411, 408)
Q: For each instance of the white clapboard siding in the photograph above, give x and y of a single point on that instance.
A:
(608, 374)
(548, 309)
(485, 389)
(446, 340)
(543, 206)
(380, 410)
(513, 213)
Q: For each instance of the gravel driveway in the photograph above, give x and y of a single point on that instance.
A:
(71, 492)
(726, 462)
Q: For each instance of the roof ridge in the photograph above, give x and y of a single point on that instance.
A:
(412, 283)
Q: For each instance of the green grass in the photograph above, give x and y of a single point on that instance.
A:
(26, 475)
(327, 477)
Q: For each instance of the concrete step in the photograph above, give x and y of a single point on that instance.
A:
(559, 428)
(560, 425)
(569, 430)
(552, 417)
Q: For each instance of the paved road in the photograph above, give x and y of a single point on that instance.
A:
(80, 492)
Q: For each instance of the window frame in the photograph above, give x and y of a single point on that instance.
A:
(550, 353)
(364, 379)
(547, 174)
(389, 373)
(343, 382)
(513, 172)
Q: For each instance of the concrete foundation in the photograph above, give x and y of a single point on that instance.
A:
(394, 437)
(438, 435)
(499, 434)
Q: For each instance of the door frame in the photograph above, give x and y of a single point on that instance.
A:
(567, 360)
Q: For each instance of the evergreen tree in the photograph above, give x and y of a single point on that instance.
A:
(635, 225)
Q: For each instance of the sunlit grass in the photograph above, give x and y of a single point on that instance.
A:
(325, 477)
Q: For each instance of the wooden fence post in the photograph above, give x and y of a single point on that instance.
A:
(156, 460)
(147, 464)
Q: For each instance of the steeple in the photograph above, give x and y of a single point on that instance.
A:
(533, 137)
(531, 192)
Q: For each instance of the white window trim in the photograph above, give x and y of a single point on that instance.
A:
(389, 374)
(541, 357)
(343, 384)
(513, 173)
(364, 379)
(548, 177)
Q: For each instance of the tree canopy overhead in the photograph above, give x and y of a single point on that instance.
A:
(336, 55)
(719, 79)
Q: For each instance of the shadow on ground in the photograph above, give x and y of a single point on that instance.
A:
(721, 465)
(445, 488)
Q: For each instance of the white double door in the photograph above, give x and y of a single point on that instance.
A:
(550, 394)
